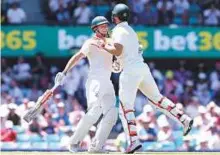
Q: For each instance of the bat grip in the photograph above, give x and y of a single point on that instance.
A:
(54, 87)
(45, 98)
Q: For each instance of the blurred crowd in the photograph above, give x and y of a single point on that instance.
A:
(143, 12)
(197, 92)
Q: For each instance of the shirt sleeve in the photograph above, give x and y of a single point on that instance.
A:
(85, 48)
(117, 36)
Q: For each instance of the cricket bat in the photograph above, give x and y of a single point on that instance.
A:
(34, 111)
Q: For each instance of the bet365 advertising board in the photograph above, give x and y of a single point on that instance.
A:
(158, 42)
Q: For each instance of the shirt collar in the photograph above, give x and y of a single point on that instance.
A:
(122, 24)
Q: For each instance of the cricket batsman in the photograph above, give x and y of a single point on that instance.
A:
(99, 88)
(136, 75)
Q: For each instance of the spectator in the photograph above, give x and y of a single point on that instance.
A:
(212, 16)
(148, 16)
(4, 65)
(192, 107)
(146, 131)
(165, 13)
(213, 109)
(22, 70)
(61, 117)
(202, 89)
(203, 119)
(16, 15)
(181, 8)
(53, 104)
(138, 6)
(8, 134)
(186, 146)
(55, 4)
(34, 93)
(189, 92)
(215, 78)
(65, 139)
(51, 125)
(6, 72)
(63, 15)
(39, 69)
(216, 97)
(182, 75)
(165, 132)
(23, 107)
(82, 14)
(12, 116)
(204, 142)
(3, 116)
(170, 86)
(195, 17)
(148, 111)
(215, 132)
(35, 127)
(16, 92)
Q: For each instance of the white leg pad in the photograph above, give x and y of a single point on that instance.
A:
(169, 108)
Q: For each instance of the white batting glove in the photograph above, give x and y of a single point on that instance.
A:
(60, 78)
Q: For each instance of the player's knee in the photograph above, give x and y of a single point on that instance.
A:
(91, 117)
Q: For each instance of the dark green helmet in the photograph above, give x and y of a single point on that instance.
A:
(121, 11)
(99, 20)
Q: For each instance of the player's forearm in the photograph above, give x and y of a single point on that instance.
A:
(112, 50)
(73, 61)
(115, 49)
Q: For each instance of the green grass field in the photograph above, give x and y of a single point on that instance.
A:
(113, 153)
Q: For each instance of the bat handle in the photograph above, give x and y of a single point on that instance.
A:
(54, 87)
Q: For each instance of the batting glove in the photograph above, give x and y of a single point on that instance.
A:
(60, 78)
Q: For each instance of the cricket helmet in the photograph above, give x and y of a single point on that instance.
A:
(99, 20)
(121, 11)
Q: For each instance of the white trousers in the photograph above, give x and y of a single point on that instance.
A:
(101, 100)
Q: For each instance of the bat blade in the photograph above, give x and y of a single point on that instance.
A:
(31, 114)
(36, 110)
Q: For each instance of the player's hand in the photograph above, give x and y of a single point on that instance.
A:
(101, 43)
(59, 79)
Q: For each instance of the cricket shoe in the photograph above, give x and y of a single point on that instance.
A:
(135, 145)
(73, 148)
(187, 126)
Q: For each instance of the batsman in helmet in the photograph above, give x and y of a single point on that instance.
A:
(136, 75)
(100, 92)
